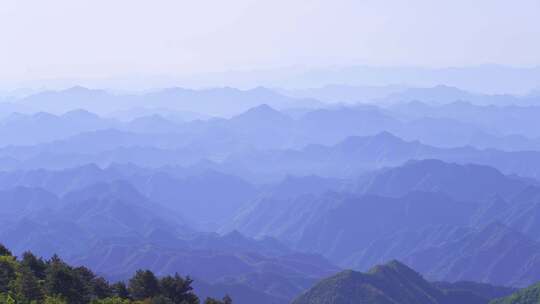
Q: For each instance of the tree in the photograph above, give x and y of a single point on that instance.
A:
(54, 300)
(6, 299)
(85, 275)
(161, 300)
(120, 290)
(36, 265)
(8, 272)
(113, 300)
(27, 287)
(61, 280)
(4, 251)
(101, 288)
(143, 285)
(178, 289)
(35, 281)
(226, 300)
(96, 286)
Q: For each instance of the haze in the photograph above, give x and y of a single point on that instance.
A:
(63, 39)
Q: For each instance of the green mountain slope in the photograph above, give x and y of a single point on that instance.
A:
(392, 283)
(530, 295)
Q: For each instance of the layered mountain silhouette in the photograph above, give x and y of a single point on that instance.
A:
(462, 182)
(115, 230)
(360, 154)
(474, 231)
(27, 129)
(433, 223)
(262, 193)
(215, 101)
(177, 189)
(79, 137)
(244, 267)
(82, 216)
(499, 119)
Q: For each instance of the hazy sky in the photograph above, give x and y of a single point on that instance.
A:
(104, 38)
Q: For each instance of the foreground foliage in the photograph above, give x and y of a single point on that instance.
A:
(33, 280)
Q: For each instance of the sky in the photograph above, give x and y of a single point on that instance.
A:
(113, 38)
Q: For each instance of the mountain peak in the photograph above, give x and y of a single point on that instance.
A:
(263, 108)
(77, 88)
(389, 283)
(81, 91)
(44, 115)
(385, 135)
(261, 113)
(80, 114)
(234, 237)
(394, 267)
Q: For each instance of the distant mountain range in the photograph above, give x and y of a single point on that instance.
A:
(468, 182)
(358, 154)
(244, 267)
(261, 193)
(177, 189)
(413, 213)
(439, 217)
(454, 120)
(264, 128)
(487, 78)
(115, 230)
(437, 94)
(506, 120)
(216, 101)
(69, 224)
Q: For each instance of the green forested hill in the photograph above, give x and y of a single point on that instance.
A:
(392, 283)
(530, 295)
